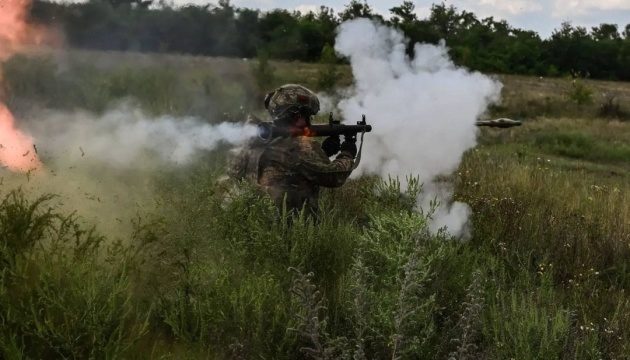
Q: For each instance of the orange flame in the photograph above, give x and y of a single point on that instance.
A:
(308, 132)
(17, 151)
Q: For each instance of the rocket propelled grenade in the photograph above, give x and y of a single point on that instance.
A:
(500, 123)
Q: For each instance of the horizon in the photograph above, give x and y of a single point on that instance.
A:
(540, 16)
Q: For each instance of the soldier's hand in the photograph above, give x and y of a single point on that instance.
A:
(331, 145)
(349, 146)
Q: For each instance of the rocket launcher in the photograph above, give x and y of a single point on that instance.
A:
(268, 131)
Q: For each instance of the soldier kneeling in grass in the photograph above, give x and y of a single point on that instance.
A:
(291, 169)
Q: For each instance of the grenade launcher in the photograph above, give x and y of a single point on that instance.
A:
(267, 131)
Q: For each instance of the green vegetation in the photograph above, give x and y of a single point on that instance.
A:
(211, 273)
(158, 90)
(226, 89)
(222, 29)
(328, 75)
(580, 146)
(580, 93)
(264, 73)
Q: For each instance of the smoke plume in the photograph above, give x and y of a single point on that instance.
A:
(125, 137)
(423, 111)
(104, 167)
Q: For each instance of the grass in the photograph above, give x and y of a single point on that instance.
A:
(210, 272)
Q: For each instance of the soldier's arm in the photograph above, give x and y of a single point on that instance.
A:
(237, 163)
(237, 158)
(318, 169)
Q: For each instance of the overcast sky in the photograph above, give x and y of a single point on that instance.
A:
(542, 16)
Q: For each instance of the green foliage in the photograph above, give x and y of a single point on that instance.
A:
(22, 226)
(356, 9)
(155, 89)
(229, 284)
(224, 30)
(469, 325)
(219, 274)
(389, 296)
(34, 76)
(328, 74)
(79, 313)
(581, 146)
(264, 72)
(526, 325)
(55, 299)
(550, 251)
(580, 93)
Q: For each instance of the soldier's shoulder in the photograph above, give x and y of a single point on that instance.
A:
(283, 144)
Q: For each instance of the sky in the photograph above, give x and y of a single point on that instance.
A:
(541, 16)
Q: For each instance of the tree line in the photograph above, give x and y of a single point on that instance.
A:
(222, 29)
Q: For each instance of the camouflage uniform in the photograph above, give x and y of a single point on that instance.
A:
(290, 170)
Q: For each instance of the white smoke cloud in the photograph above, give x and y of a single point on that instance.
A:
(103, 167)
(423, 111)
(125, 136)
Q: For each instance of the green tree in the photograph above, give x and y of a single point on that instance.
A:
(280, 32)
(222, 30)
(312, 35)
(404, 15)
(444, 21)
(605, 32)
(143, 4)
(356, 9)
(570, 49)
(247, 37)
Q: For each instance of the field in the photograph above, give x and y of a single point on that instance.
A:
(163, 262)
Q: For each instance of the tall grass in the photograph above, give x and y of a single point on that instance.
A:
(155, 89)
(216, 272)
(56, 299)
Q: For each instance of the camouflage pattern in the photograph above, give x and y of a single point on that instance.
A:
(290, 170)
(291, 97)
(243, 162)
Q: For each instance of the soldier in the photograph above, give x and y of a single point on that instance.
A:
(292, 169)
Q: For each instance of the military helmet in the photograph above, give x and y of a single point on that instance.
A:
(290, 99)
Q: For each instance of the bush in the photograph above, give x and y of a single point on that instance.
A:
(56, 300)
(264, 73)
(580, 93)
(611, 109)
(328, 75)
